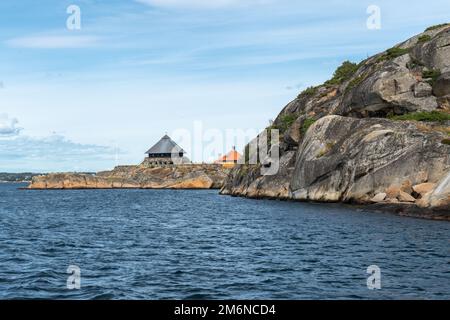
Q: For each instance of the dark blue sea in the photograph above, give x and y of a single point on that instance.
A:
(162, 244)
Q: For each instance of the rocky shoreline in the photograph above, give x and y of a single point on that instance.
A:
(376, 134)
(188, 176)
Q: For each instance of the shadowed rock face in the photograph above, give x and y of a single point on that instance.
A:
(142, 177)
(353, 152)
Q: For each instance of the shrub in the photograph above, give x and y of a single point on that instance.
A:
(306, 124)
(286, 121)
(432, 75)
(310, 91)
(438, 26)
(424, 38)
(393, 53)
(433, 116)
(343, 73)
(446, 141)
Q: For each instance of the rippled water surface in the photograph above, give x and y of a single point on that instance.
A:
(161, 244)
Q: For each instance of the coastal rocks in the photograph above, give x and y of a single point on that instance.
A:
(379, 197)
(190, 176)
(247, 180)
(424, 188)
(366, 157)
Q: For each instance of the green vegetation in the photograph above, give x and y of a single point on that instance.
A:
(306, 124)
(432, 75)
(396, 52)
(424, 38)
(343, 73)
(446, 141)
(393, 53)
(286, 121)
(433, 116)
(438, 26)
(310, 91)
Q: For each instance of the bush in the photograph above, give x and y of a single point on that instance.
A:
(438, 26)
(433, 116)
(306, 124)
(343, 73)
(393, 53)
(432, 75)
(310, 91)
(446, 141)
(286, 121)
(424, 38)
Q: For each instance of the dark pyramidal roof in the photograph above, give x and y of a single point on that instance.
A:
(165, 145)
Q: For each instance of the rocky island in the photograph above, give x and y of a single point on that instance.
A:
(377, 133)
(166, 167)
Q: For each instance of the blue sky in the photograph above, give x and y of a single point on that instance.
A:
(84, 100)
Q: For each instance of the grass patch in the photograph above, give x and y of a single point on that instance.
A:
(306, 124)
(343, 73)
(433, 116)
(424, 38)
(432, 75)
(438, 26)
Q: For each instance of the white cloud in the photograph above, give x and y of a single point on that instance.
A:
(205, 4)
(8, 126)
(53, 154)
(53, 42)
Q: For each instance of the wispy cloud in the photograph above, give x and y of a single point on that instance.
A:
(53, 153)
(8, 126)
(53, 42)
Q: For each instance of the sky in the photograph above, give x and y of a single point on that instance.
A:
(89, 98)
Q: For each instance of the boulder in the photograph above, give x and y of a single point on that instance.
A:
(422, 89)
(379, 197)
(361, 162)
(442, 86)
(424, 188)
(405, 197)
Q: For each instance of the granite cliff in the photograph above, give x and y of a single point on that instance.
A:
(377, 133)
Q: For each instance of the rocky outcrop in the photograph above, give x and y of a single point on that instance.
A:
(355, 152)
(189, 176)
(366, 157)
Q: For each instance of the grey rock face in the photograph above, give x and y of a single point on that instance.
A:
(442, 85)
(435, 54)
(347, 159)
(422, 89)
